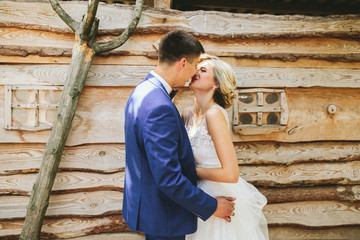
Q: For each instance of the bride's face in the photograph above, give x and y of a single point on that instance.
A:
(204, 77)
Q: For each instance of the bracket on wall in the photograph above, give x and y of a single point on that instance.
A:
(31, 108)
(260, 111)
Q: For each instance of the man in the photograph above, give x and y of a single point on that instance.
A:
(160, 194)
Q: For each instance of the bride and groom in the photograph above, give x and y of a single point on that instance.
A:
(181, 175)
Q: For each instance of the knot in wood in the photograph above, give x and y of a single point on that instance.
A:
(331, 109)
(74, 92)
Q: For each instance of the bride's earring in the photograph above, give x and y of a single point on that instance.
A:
(214, 88)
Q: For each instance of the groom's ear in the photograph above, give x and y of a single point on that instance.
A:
(182, 63)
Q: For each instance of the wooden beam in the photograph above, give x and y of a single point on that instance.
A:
(143, 60)
(212, 24)
(74, 227)
(312, 193)
(44, 43)
(99, 118)
(110, 158)
(65, 182)
(313, 214)
(304, 174)
(88, 204)
(128, 75)
(26, 158)
(100, 204)
(306, 233)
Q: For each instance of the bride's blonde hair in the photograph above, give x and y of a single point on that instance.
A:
(224, 77)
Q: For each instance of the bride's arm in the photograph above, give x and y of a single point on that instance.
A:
(219, 132)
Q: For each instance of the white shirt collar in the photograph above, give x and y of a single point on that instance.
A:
(163, 82)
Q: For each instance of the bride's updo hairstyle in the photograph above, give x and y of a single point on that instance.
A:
(224, 77)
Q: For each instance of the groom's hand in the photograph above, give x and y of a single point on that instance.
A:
(225, 208)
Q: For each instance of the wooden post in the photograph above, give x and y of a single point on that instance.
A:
(84, 50)
(162, 4)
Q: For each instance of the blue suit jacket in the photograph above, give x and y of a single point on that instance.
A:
(160, 193)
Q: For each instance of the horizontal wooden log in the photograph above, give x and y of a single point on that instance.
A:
(306, 174)
(142, 60)
(125, 75)
(308, 213)
(72, 228)
(308, 116)
(301, 233)
(311, 193)
(110, 158)
(313, 213)
(22, 42)
(113, 236)
(72, 204)
(99, 117)
(21, 184)
(26, 158)
(68, 182)
(114, 18)
(250, 153)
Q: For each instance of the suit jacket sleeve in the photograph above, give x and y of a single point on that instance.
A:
(161, 136)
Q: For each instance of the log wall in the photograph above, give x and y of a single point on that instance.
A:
(309, 170)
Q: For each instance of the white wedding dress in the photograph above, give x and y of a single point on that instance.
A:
(249, 222)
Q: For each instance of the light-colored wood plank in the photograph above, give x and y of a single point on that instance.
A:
(126, 75)
(349, 193)
(72, 204)
(26, 158)
(109, 158)
(113, 236)
(64, 182)
(304, 174)
(142, 60)
(46, 43)
(215, 23)
(290, 153)
(65, 228)
(100, 117)
(302, 233)
(308, 116)
(313, 213)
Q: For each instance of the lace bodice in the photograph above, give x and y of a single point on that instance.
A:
(201, 141)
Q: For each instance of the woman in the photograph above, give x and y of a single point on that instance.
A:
(217, 169)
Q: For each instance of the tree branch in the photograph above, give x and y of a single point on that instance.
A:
(87, 22)
(74, 25)
(100, 47)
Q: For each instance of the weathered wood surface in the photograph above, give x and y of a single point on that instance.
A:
(22, 42)
(307, 213)
(72, 204)
(22, 184)
(100, 118)
(127, 75)
(290, 153)
(115, 18)
(301, 233)
(63, 228)
(143, 60)
(110, 158)
(113, 236)
(71, 182)
(305, 174)
(26, 158)
(278, 233)
(350, 193)
(313, 213)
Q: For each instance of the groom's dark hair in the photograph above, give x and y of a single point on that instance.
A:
(179, 44)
